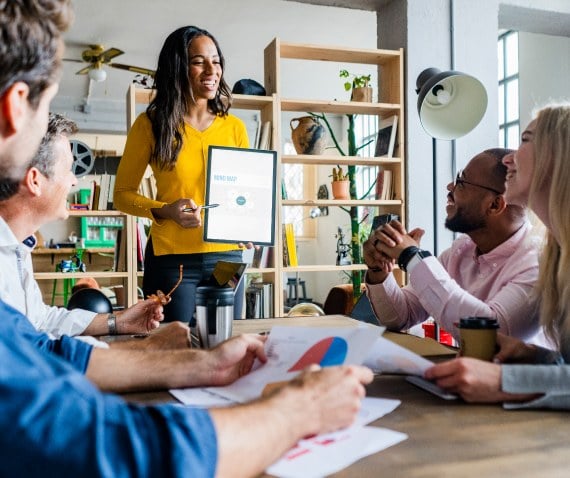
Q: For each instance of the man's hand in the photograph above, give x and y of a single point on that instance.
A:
(514, 350)
(141, 318)
(234, 358)
(174, 335)
(332, 396)
(391, 239)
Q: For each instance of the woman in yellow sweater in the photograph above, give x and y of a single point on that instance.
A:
(188, 114)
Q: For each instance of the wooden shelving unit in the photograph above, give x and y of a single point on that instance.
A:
(390, 88)
(126, 278)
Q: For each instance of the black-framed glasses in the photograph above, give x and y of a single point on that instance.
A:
(460, 181)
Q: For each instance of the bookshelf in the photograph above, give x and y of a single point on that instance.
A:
(390, 88)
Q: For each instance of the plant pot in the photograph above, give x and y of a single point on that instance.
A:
(363, 94)
(309, 136)
(341, 189)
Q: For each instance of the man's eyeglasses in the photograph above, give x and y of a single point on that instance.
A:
(459, 181)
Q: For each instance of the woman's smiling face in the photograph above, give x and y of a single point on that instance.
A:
(520, 168)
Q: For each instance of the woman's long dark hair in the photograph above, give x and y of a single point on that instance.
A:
(173, 94)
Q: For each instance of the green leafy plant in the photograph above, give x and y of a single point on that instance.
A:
(355, 221)
(358, 81)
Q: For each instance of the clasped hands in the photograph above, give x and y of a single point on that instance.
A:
(383, 247)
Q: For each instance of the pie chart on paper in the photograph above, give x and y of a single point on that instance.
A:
(326, 353)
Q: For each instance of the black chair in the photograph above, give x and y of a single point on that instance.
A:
(90, 299)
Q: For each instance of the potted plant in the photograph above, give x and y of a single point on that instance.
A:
(340, 184)
(361, 91)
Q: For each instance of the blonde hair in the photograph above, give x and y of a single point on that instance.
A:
(552, 170)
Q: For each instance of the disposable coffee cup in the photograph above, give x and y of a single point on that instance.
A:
(478, 337)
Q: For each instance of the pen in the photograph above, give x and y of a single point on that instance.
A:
(207, 206)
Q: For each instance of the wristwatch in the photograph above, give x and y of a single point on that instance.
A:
(416, 259)
(410, 257)
(112, 324)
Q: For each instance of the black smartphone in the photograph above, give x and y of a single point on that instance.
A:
(383, 219)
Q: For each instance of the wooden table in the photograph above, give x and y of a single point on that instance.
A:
(448, 438)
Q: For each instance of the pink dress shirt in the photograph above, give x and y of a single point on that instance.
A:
(461, 283)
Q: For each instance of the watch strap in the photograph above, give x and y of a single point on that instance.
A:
(112, 324)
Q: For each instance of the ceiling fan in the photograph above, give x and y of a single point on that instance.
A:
(97, 56)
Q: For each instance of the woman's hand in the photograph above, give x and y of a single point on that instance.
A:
(184, 212)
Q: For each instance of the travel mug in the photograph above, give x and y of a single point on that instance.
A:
(214, 314)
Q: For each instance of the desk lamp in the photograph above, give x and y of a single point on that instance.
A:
(450, 105)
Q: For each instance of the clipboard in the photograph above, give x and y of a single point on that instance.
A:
(242, 181)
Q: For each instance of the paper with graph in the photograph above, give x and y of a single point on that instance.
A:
(292, 349)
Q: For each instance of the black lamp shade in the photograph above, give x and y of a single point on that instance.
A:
(450, 103)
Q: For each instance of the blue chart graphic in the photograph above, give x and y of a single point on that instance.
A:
(327, 352)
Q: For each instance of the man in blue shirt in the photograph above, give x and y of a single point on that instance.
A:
(54, 422)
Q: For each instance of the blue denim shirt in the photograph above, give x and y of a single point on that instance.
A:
(54, 422)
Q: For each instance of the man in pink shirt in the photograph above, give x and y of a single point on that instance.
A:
(489, 271)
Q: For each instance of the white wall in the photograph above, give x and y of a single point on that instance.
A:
(434, 35)
(544, 72)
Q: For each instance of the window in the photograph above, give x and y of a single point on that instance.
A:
(509, 118)
(298, 181)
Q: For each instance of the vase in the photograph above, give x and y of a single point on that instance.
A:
(341, 189)
(363, 94)
(309, 136)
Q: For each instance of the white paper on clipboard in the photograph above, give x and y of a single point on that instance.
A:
(242, 182)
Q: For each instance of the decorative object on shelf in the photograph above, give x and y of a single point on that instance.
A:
(342, 249)
(340, 184)
(450, 105)
(248, 86)
(322, 193)
(305, 309)
(309, 136)
(359, 85)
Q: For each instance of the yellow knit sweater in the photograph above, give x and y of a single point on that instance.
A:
(186, 180)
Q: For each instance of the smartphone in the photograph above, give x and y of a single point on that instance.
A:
(383, 219)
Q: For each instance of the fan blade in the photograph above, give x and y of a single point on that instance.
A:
(75, 60)
(85, 70)
(109, 54)
(134, 69)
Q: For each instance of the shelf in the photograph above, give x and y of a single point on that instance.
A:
(79, 275)
(325, 268)
(331, 160)
(340, 202)
(260, 270)
(88, 213)
(248, 102)
(299, 51)
(340, 107)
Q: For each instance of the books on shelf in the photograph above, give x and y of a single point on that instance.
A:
(259, 300)
(261, 257)
(386, 139)
(384, 185)
(289, 246)
(265, 136)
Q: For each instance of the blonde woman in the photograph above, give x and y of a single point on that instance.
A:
(538, 175)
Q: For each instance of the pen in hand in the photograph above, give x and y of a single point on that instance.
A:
(207, 206)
